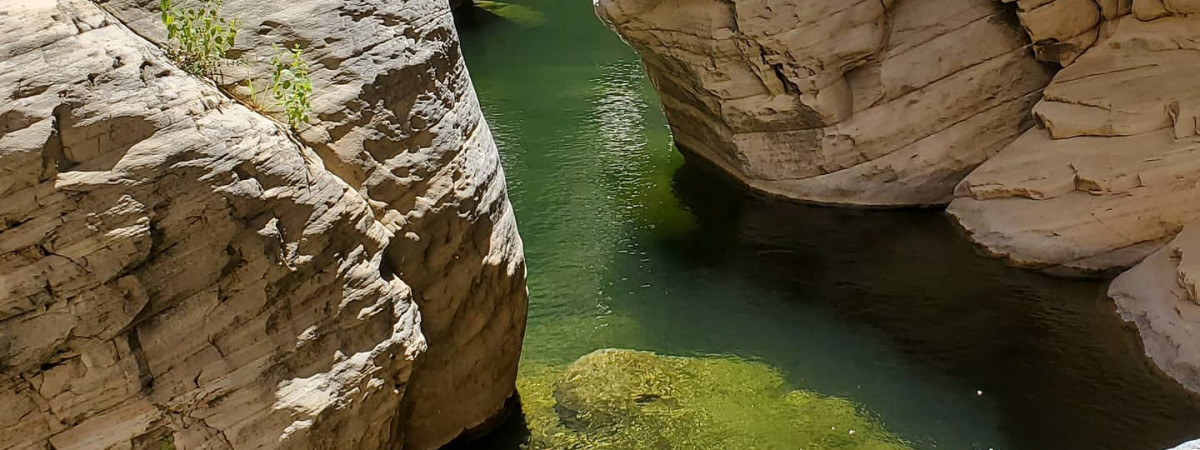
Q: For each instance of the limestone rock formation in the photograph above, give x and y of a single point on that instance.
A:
(1159, 295)
(1111, 174)
(865, 103)
(177, 270)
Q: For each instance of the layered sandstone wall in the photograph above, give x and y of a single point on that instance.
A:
(1111, 173)
(177, 269)
(864, 103)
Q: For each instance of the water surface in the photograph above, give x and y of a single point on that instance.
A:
(629, 247)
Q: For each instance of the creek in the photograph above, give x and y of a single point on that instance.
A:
(629, 247)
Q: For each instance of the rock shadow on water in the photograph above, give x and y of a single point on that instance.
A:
(1049, 355)
(480, 13)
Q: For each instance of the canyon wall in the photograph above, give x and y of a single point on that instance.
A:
(179, 271)
(1063, 134)
(862, 103)
(1111, 174)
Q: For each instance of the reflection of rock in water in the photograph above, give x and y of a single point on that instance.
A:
(629, 399)
(521, 15)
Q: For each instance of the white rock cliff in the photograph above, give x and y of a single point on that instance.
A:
(177, 269)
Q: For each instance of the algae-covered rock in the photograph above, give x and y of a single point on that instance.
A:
(638, 400)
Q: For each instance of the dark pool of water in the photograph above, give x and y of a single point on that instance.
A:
(629, 247)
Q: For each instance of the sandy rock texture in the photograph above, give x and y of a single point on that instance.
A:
(177, 270)
(1159, 295)
(862, 103)
(1111, 173)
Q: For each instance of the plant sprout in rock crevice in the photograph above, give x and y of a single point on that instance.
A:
(199, 37)
(198, 40)
(290, 85)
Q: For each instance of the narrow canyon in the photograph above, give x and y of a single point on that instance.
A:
(853, 224)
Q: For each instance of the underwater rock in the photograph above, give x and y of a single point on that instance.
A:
(519, 14)
(626, 399)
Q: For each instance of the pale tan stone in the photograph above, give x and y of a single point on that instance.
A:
(1112, 175)
(175, 266)
(1159, 296)
(863, 103)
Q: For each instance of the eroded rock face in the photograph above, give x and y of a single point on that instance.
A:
(178, 269)
(865, 103)
(1111, 174)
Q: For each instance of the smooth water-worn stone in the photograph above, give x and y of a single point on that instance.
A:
(1159, 295)
(178, 270)
(626, 399)
(864, 103)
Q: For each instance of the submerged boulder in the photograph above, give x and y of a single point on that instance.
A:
(863, 103)
(625, 399)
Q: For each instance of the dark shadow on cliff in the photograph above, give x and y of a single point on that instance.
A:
(508, 431)
(479, 14)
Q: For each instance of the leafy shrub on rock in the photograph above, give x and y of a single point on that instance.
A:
(290, 85)
(199, 37)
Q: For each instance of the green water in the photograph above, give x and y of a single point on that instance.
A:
(628, 247)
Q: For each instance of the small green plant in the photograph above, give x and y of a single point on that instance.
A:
(199, 37)
(290, 85)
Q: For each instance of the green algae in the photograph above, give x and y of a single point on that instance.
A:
(625, 399)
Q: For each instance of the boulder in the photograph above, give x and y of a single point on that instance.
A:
(179, 271)
(861, 103)
(1159, 296)
(1111, 174)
